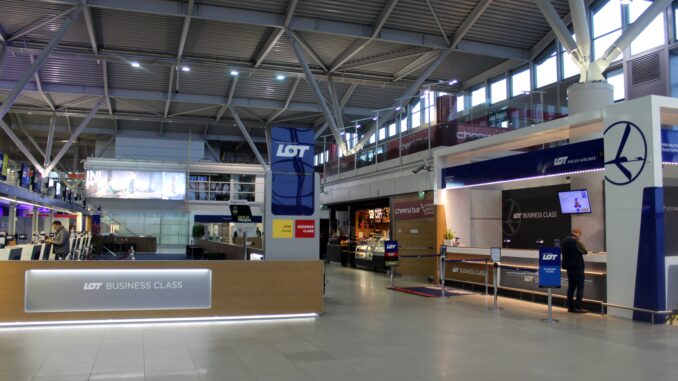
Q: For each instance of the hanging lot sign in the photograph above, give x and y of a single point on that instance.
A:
(549, 267)
(292, 171)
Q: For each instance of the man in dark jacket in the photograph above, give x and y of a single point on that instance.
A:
(573, 261)
(61, 241)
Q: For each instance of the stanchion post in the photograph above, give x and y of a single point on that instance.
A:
(550, 319)
(487, 286)
(392, 275)
(443, 258)
(495, 267)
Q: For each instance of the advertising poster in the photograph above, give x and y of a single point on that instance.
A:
(549, 267)
(4, 166)
(283, 229)
(141, 185)
(671, 221)
(292, 171)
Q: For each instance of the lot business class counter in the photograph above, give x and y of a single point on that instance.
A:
(40, 291)
(518, 271)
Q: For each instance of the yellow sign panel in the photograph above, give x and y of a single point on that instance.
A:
(283, 229)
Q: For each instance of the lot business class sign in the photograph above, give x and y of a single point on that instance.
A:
(117, 290)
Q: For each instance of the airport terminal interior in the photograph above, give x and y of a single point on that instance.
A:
(338, 190)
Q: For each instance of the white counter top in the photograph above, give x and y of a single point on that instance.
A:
(518, 253)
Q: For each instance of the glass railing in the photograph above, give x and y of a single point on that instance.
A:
(475, 124)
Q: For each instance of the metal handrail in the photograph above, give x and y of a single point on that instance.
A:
(653, 313)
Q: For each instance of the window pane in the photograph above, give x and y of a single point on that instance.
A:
(460, 103)
(382, 133)
(547, 72)
(403, 124)
(653, 35)
(520, 82)
(392, 129)
(616, 79)
(373, 138)
(478, 97)
(416, 119)
(601, 44)
(498, 91)
(607, 19)
(570, 68)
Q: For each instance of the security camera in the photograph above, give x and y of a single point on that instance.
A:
(425, 166)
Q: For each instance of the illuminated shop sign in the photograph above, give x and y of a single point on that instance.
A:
(117, 290)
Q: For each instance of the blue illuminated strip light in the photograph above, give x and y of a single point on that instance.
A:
(527, 178)
(150, 321)
(568, 159)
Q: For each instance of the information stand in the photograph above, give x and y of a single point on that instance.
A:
(549, 275)
(495, 257)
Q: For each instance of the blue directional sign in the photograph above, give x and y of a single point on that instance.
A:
(549, 267)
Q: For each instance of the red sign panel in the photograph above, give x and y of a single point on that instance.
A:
(304, 228)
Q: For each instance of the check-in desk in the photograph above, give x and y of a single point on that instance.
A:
(26, 252)
(44, 291)
(519, 271)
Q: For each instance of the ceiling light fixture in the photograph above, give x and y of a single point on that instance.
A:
(135, 64)
(279, 77)
(185, 69)
(234, 73)
(453, 82)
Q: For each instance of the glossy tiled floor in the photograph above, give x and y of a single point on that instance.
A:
(367, 333)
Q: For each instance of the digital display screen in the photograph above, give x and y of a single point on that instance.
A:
(142, 185)
(574, 202)
(57, 190)
(37, 182)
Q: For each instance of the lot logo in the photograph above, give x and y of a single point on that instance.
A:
(513, 214)
(292, 150)
(549, 257)
(92, 286)
(391, 246)
(630, 155)
(560, 160)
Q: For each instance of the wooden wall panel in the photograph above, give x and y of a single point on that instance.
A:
(238, 288)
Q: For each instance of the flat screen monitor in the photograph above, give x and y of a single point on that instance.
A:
(37, 182)
(22, 237)
(25, 181)
(574, 201)
(35, 254)
(15, 254)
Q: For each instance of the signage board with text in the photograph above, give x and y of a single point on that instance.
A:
(304, 228)
(391, 253)
(549, 267)
(117, 290)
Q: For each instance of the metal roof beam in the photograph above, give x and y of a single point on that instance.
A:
(226, 105)
(30, 28)
(318, 94)
(247, 136)
(275, 36)
(358, 45)
(104, 67)
(20, 144)
(290, 95)
(16, 91)
(20, 124)
(468, 23)
(75, 135)
(298, 23)
(415, 65)
(38, 84)
(90, 26)
(180, 51)
(50, 140)
(435, 18)
(382, 58)
(342, 104)
(559, 29)
(181, 97)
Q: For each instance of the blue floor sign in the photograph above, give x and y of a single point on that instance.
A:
(549, 267)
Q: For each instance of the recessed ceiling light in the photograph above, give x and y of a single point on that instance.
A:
(453, 82)
(234, 73)
(136, 64)
(185, 69)
(398, 108)
(279, 77)
(375, 118)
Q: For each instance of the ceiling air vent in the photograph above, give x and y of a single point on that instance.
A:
(645, 69)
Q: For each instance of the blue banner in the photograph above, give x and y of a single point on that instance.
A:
(669, 146)
(215, 219)
(569, 158)
(549, 267)
(292, 170)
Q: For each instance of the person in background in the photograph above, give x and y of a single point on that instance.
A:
(11, 241)
(573, 261)
(258, 232)
(61, 241)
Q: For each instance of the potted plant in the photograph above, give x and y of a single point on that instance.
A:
(198, 231)
(448, 238)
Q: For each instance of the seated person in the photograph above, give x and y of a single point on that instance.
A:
(11, 241)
